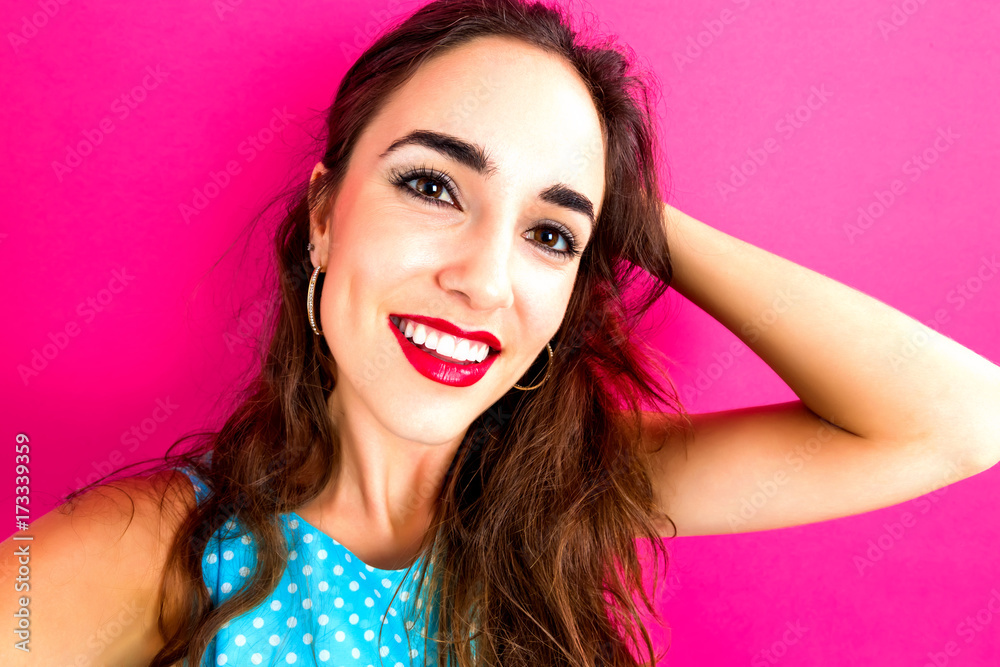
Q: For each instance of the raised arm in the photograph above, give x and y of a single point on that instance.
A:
(889, 409)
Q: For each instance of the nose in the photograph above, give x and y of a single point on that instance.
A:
(477, 264)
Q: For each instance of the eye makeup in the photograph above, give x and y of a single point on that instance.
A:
(402, 176)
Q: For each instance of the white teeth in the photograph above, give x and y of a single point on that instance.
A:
(432, 339)
(446, 345)
(443, 344)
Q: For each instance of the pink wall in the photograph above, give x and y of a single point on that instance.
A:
(112, 294)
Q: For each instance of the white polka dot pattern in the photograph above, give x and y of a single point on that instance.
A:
(325, 610)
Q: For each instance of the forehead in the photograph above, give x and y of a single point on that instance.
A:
(528, 108)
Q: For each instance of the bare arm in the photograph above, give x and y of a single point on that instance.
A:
(913, 410)
(94, 575)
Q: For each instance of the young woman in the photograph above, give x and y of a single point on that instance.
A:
(454, 438)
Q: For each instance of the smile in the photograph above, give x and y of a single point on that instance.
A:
(442, 357)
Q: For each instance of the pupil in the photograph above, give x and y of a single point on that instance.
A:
(424, 181)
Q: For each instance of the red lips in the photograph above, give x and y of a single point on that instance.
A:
(449, 328)
(449, 373)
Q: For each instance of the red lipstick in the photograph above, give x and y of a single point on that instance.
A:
(453, 374)
(449, 328)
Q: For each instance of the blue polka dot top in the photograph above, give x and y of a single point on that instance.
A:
(327, 609)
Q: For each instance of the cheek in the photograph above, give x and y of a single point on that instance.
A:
(369, 260)
(381, 234)
(543, 305)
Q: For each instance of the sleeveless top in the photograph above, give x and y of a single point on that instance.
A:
(328, 607)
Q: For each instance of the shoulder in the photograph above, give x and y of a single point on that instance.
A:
(160, 496)
(169, 491)
(95, 568)
(131, 517)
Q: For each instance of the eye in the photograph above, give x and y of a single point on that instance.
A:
(552, 234)
(429, 185)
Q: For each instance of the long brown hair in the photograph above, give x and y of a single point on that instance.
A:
(533, 533)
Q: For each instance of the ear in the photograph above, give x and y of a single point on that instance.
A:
(319, 223)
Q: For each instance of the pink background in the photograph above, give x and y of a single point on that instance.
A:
(172, 336)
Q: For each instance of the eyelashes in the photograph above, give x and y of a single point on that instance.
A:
(401, 178)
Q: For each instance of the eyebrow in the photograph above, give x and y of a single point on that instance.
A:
(474, 157)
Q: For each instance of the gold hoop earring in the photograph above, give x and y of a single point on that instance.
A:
(310, 298)
(547, 367)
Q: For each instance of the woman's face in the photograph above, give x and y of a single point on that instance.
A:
(485, 251)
